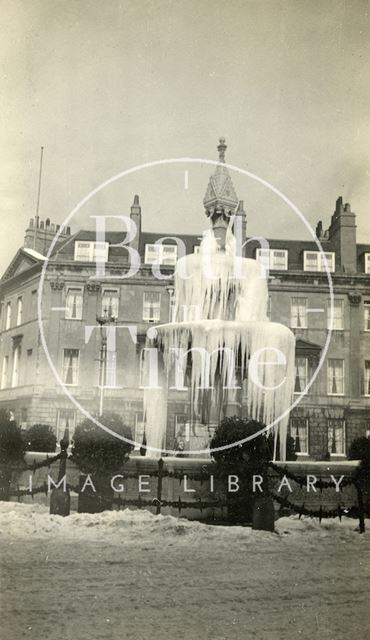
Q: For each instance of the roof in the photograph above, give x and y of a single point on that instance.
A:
(34, 254)
(24, 260)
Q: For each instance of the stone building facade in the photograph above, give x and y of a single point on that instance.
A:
(79, 305)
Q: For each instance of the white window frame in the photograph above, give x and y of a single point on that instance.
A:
(367, 315)
(305, 379)
(343, 424)
(367, 378)
(338, 318)
(305, 423)
(320, 266)
(79, 306)
(8, 315)
(157, 306)
(95, 251)
(341, 378)
(159, 250)
(115, 308)
(16, 365)
(71, 423)
(367, 263)
(261, 255)
(19, 310)
(304, 323)
(4, 372)
(77, 368)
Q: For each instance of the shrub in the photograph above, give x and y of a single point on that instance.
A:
(360, 450)
(12, 446)
(12, 449)
(244, 460)
(97, 451)
(40, 437)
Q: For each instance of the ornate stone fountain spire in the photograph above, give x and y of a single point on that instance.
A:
(220, 201)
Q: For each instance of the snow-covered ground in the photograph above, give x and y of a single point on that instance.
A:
(132, 575)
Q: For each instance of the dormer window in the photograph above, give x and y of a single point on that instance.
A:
(314, 261)
(367, 262)
(165, 254)
(273, 258)
(91, 251)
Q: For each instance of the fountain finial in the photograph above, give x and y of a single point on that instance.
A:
(221, 148)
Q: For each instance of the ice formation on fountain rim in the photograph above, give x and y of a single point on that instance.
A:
(220, 306)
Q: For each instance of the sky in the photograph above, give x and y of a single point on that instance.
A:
(107, 86)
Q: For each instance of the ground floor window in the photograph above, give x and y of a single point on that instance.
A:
(299, 433)
(65, 418)
(336, 437)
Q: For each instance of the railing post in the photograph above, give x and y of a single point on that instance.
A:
(60, 500)
(360, 502)
(159, 485)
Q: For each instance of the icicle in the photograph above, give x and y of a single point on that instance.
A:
(221, 310)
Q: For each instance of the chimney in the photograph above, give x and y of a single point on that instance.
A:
(39, 235)
(342, 235)
(135, 215)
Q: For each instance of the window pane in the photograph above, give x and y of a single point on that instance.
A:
(335, 376)
(83, 251)
(311, 261)
(110, 303)
(367, 315)
(367, 378)
(91, 251)
(299, 433)
(301, 366)
(8, 319)
(169, 254)
(70, 366)
(74, 304)
(66, 419)
(367, 262)
(153, 254)
(151, 306)
(336, 313)
(336, 442)
(4, 372)
(298, 317)
(19, 310)
(278, 259)
(15, 372)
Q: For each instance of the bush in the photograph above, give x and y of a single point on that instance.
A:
(97, 451)
(360, 450)
(40, 437)
(245, 460)
(12, 446)
(12, 449)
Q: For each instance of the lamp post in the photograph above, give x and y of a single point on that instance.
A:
(103, 321)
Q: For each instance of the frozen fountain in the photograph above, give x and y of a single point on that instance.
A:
(220, 346)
